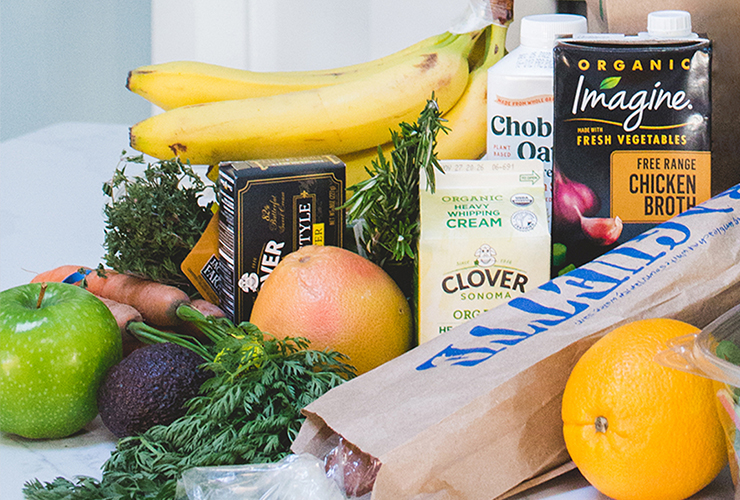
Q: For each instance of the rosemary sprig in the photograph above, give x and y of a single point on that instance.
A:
(387, 203)
(248, 412)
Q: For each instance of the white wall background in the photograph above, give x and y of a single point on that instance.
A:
(280, 35)
(67, 60)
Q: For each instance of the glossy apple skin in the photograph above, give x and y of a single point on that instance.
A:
(53, 358)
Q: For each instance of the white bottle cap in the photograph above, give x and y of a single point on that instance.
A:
(669, 24)
(541, 30)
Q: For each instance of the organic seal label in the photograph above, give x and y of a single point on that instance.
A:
(632, 144)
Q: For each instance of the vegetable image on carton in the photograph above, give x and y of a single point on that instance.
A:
(632, 132)
(475, 413)
(484, 240)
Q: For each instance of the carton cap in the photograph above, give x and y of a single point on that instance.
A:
(541, 30)
(669, 24)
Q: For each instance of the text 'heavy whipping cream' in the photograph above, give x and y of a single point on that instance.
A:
(520, 94)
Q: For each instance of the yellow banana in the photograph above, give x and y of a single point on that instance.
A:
(336, 119)
(466, 138)
(181, 83)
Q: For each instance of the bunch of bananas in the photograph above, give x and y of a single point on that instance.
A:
(213, 113)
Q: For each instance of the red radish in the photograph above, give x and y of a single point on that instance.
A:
(125, 315)
(206, 309)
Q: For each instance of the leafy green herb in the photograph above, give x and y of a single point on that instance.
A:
(729, 351)
(248, 412)
(154, 220)
(387, 204)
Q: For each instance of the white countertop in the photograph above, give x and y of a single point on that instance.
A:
(51, 198)
(51, 204)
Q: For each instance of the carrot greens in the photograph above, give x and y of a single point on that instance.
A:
(248, 412)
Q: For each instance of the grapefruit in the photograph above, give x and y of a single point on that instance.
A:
(338, 300)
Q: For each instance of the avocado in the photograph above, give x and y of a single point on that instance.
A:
(149, 387)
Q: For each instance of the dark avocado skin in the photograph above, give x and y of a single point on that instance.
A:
(149, 387)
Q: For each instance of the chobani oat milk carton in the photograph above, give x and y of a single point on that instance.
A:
(631, 141)
(484, 240)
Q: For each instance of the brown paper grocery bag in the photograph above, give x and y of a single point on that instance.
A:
(720, 22)
(475, 412)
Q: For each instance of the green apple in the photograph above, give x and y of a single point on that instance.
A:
(55, 349)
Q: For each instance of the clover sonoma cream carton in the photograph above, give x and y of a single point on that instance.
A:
(484, 240)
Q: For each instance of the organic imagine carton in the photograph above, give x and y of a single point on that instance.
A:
(632, 145)
(720, 21)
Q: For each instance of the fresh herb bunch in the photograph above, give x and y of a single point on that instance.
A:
(387, 203)
(154, 220)
(248, 412)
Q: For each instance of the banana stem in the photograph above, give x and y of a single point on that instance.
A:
(502, 11)
(495, 44)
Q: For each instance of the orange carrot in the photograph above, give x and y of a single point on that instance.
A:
(206, 309)
(156, 302)
(125, 315)
(59, 274)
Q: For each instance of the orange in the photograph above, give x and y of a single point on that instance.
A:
(336, 299)
(636, 429)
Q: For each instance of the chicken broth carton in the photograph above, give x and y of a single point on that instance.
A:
(484, 240)
(631, 136)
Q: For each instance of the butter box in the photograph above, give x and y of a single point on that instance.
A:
(269, 208)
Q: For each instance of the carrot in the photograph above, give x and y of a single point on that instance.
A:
(125, 315)
(156, 302)
(206, 309)
(60, 274)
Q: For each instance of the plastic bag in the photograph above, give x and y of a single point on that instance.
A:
(481, 13)
(342, 472)
(296, 477)
(352, 470)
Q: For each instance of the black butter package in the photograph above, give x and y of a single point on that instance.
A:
(269, 208)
